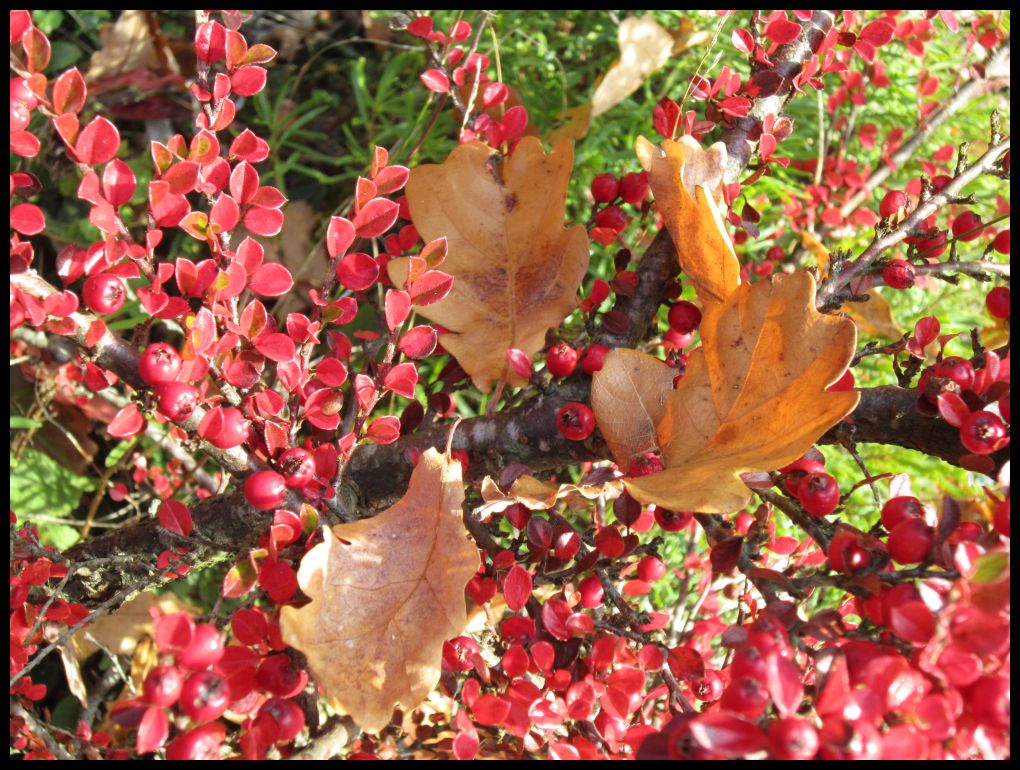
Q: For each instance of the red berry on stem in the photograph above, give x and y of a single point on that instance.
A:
(575, 421)
(672, 521)
(967, 226)
(104, 293)
(612, 217)
(1001, 242)
(818, 493)
(205, 648)
(159, 363)
(561, 360)
(651, 568)
(900, 508)
(265, 489)
(176, 400)
(910, 542)
(593, 358)
(591, 591)
(983, 433)
(162, 686)
(605, 188)
(894, 202)
(775, 253)
(298, 467)
(634, 187)
(898, 274)
(200, 743)
(997, 302)
(684, 317)
(224, 428)
(793, 738)
(957, 369)
(205, 696)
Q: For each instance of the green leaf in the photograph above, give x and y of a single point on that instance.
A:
(23, 423)
(39, 484)
(991, 566)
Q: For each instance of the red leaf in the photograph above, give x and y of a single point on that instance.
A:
(332, 372)
(339, 236)
(322, 409)
(514, 122)
(782, 31)
(28, 219)
(357, 271)
(126, 423)
(726, 734)
(244, 182)
(175, 517)
(418, 342)
(726, 553)
(391, 179)
(401, 379)
(61, 303)
(397, 308)
(912, 621)
(225, 213)
(248, 80)
(98, 142)
(517, 587)
(519, 362)
(69, 92)
(182, 177)
(952, 408)
(433, 286)
(265, 222)
(118, 182)
(376, 217)
(153, 730)
(278, 579)
(686, 663)
(435, 80)
(210, 42)
(878, 33)
(490, 710)
(385, 430)
(276, 347)
(271, 280)
(784, 685)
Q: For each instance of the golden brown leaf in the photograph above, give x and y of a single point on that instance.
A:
(516, 270)
(576, 121)
(130, 44)
(122, 630)
(874, 317)
(386, 592)
(537, 495)
(645, 46)
(629, 397)
(688, 182)
(754, 396)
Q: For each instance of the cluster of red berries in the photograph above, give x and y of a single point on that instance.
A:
(609, 192)
(806, 479)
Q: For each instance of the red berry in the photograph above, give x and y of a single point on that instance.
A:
(200, 743)
(898, 509)
(893, 203)
(709, 688)
(205, 696)
(775, 253)
(176, 400)
(997, 302)
(591, 591)
(983, 433)
(162, 686)
(205, 648)
(797, 470)
(634, 187)
(605, 188)
(910, 541)
(672, 521)
(278, 674)
(279, 720)
(650, 569)
(104, 293)
(957, 369)
(265, 489)
(967, 226)
(298, 467)
(818, 493)
(645, 465)
(898, 274)
(846, 554)
(746, 695)
(1001, 242)
(933, 245)
(224, 428)
(612, 217)
(593, 358)
(159, 363)
(1000, 519)
(793, 738)
(684, 317)
(575, 421)
(561, 360)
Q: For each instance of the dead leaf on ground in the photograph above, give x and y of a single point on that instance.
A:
(386, 592)
(130, 44)
(754, 396)
(121, 631)
(645, 46)
(629, 394)
(688, 183)
(516, 269)
(874, 317)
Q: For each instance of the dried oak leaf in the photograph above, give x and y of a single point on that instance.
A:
(753, 398)
(688, 182)
(645, 46)
(386, 592)
(640, 383)
(516, 270)
(874, 316)
(537, 495)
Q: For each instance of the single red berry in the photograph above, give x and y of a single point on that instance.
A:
(898, 274)
(561, 360)
(775, 253)
(593, 358)
(224, 427)
(983, 433)
(672, 521)
(894, 202)
(104, 293)
(910, 541)
(159, 363)
(279, 720)
(205, 696)
(162, 686)
(279, 675)
(634, 187)
(205, 648)
(997, 302)
(957, 369)
(592, 592)
(645, 465)
(575, 421)
(933, 245)
(265, 489)
(605, 188)
(297, 466)
(650, 569)
(967, 226)
(746, 695)
(684, 317)
(612, 217)
(709, 688)
(1001, 242)
(200, 743)
(846, 554)
(176, 400)
(898, 509)
(793, 738)
(818, 493)
(797, 470)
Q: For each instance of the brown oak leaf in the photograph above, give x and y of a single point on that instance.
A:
(386, 592)
(516, 269)
(754, 397)
(687, 183)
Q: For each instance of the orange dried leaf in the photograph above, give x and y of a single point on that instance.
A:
(645, 46)
(754, 396)
(386, 592)
(516, 270)
(874, 317)
(629, 397)
(688, 182)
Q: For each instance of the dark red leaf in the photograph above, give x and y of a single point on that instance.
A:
(175, 517)
(517, 588)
